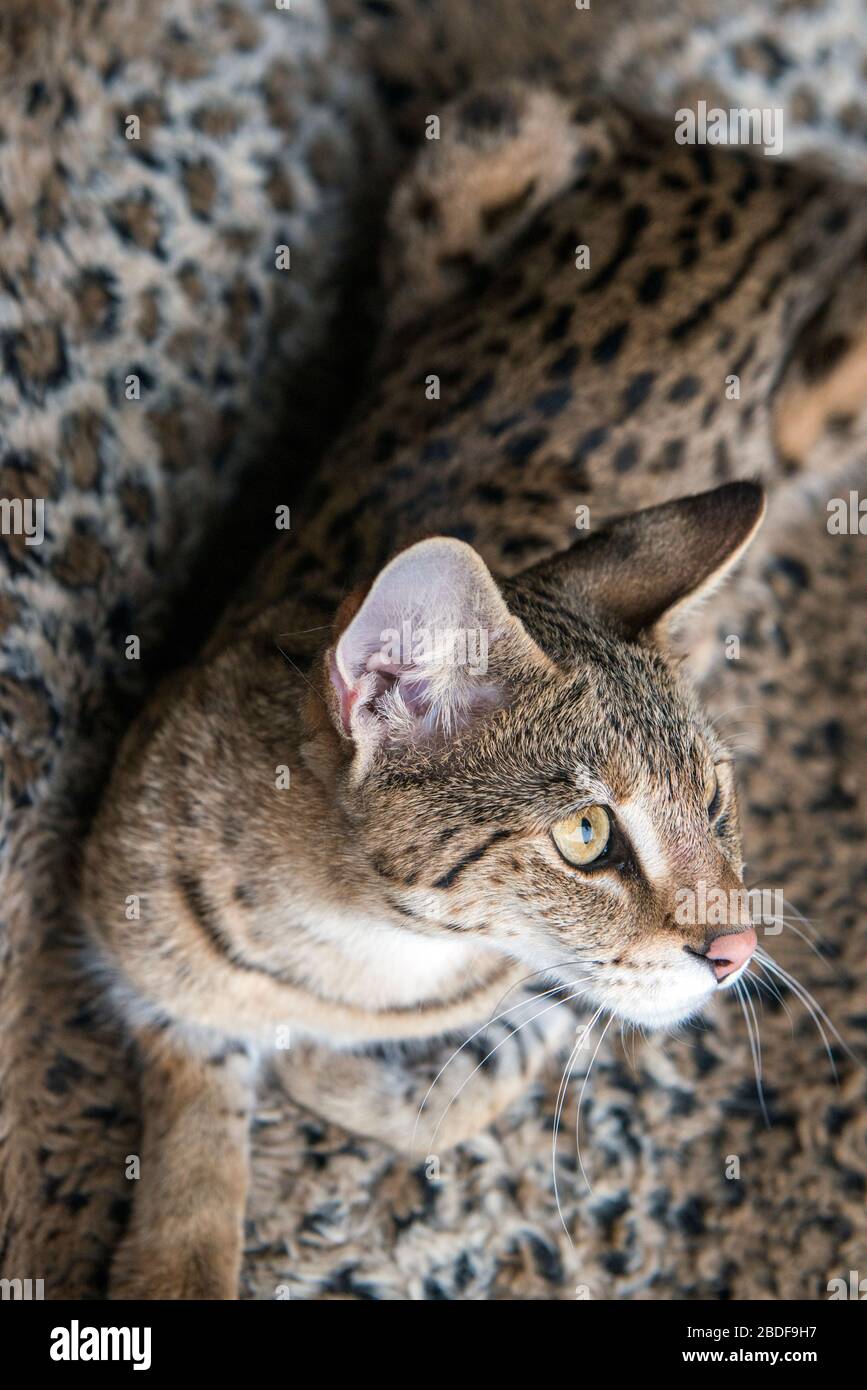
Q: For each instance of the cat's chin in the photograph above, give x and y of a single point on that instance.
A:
(653, 1019)
(649, 1010)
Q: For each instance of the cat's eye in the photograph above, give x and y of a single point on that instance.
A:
(584, 837)
(712, 795)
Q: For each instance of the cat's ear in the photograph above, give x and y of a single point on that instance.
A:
(431, 648)
(643, 572)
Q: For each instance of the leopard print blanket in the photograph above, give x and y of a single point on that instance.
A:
(190, 195)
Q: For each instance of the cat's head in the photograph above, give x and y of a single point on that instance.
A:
(524, 764)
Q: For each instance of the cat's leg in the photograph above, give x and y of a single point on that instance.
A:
(496, 157)
(185, 1231)
(423, 1099)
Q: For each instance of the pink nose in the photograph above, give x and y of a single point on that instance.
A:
(729, 952)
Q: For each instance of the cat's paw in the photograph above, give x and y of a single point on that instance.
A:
(490, 162)
(206, 1268)
(427, 1098)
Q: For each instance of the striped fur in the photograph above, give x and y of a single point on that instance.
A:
(405, 881)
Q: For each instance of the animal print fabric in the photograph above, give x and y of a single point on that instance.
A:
(153, 162)
(155, 258)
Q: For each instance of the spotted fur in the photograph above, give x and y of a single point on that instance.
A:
(369, 943)
(332, 1217)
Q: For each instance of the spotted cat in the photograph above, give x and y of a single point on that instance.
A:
(328, 826)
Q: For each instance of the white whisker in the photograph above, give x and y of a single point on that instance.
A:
(733, 709)
(755, 1043)
(546, 969)
(561, 1096)
(467, 1079)
(806, 921)
(580, 1099)
(807, 942)
(458, 1050)
(815, 1010)
(765, 981)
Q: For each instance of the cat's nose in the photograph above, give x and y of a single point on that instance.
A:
(730, 951)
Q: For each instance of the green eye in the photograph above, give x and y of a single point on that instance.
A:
(583, 838)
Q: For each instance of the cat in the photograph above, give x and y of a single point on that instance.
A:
(365, 818)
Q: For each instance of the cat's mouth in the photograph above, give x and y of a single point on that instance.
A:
(664, 994)
(733, 977)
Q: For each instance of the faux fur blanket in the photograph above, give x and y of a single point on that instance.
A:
(162, 386)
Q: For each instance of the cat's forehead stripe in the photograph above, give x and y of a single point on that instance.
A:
(636, 816)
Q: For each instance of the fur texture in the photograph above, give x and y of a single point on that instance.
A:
(388, 755)
(322, 1208)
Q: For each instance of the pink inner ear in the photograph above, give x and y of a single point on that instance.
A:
(435, 593)
(414, 685)
(360, 692)
(346, 695)
(415, 693)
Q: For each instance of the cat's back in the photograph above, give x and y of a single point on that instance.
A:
(624, 350)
